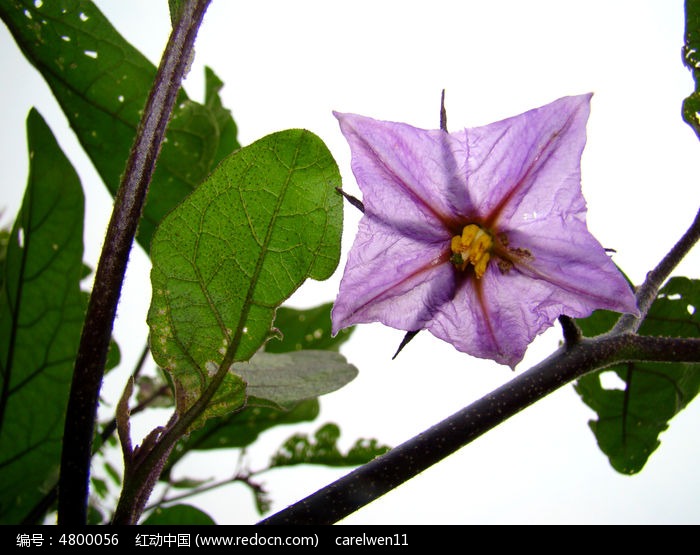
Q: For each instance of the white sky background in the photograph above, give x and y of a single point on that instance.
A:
(289, 64)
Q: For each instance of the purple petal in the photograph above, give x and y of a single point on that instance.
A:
(479, 323)
(574, 264)
(519, 179)
(393, 279)
(497, 318)
(412, 179)
(529, 164)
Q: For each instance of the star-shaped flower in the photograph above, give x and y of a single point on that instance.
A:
(478, 236)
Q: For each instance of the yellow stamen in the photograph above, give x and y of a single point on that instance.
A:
(472, 247)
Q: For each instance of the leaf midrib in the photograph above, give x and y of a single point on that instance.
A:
(15, 310)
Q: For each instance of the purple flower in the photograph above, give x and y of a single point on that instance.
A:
(478, 236)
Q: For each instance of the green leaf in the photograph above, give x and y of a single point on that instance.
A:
(691, 56)
(631, 419)
(288, 377)
(263, 503)
(266, 219)
(102, 83)
(178, 514)
(299, 449)
(243, 428)
(306, 329)
(240, 429)
(174, 7)
(113, 474)
(41, 315)
(228, 131)
(99, 486)
(94, 515)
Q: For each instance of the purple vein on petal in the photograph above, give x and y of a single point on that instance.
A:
(537, 162)
(481, 298)
(539, 274)
(443, 258)
(446, 221)
(465, 209)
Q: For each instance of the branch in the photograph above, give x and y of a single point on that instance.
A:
(655, 279)
(99, 320)
(246, 480)
(573, 360)
(402, 463)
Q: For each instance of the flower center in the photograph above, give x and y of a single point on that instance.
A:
(472, 247)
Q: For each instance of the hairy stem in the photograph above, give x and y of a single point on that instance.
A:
(38, 512)
(573, 360)
(646, 293)
(402, 463)
(128, 205)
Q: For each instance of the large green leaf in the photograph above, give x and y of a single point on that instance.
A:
(691, 54)
(323, 449)
(631, 419)
(41, 314)
(306, 329)
(101, 83)
(227, 257)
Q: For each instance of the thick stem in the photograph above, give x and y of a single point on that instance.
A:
(402, 463)
(576, 358)
(37, 513)
(97, 330)
(656, 278)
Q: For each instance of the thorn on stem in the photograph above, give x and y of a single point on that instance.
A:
(357, 203)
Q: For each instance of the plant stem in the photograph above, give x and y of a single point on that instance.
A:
(573, 360)
(99, 320)
(646, 293)
(402, 463)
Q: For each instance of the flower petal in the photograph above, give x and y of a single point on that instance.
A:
(517, 179)
(412, 179)
(393, 279)
(572, 262)
(478, 324)
(529, 164)
(498, 318)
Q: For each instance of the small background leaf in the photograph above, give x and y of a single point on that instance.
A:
(323, 449)
(41, 315)
(306, 329)
(266, 219)
(174, 7)
(631, 419)
(177, 515)
(240, 429)
(288, 377)
(102, 83)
